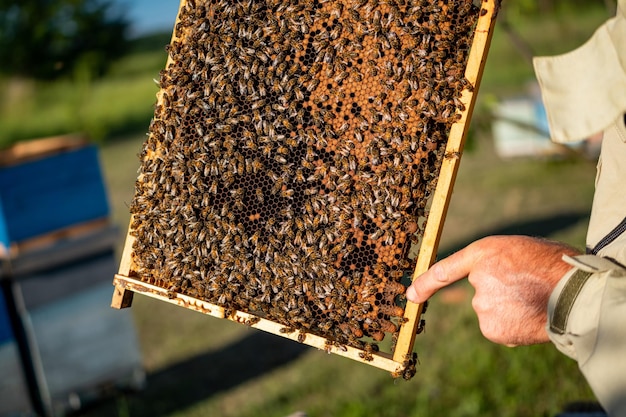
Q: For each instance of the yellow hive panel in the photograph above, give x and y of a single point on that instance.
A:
(289, 170)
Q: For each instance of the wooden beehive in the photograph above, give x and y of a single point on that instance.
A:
(300, 163)
(49, 188)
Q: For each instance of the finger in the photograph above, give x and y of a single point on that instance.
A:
(441, 274)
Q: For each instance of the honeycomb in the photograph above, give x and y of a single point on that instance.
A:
(292, 154)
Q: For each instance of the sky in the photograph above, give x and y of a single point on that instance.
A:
(149, 16)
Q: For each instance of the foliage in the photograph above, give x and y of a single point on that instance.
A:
(537, 7)
(47, 39)
(103, 108)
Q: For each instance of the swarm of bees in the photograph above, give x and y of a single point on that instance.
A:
(292, 153)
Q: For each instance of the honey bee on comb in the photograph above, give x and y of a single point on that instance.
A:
(292, 158)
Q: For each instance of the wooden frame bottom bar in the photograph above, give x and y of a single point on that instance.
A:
(125, 287)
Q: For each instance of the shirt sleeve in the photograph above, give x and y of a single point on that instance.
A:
(586, 321)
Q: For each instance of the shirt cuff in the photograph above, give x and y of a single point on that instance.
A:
(575, 304)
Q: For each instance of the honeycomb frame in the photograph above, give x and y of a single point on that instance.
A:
(401, 361)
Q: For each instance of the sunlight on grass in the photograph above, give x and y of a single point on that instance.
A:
(460, 374)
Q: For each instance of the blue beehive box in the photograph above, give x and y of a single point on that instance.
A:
(49, 193)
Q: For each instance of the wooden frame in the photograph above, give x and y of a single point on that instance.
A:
(396, 363)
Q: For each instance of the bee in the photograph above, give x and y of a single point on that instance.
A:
(312, 85)
(259, 195)
(287, 124)
(346, 149)
(452, 155)
(377, 234)
(368, 352)
(343, 128)
(321, 99)
(285, 330)
(281, 69)
(341, 76)
(352, 163)
(337, 93)
(358, 135)
(315, 68)
(394, 40)
(299, 222)
(356, 77)
(261, 55)
(299, 175)
(459, 104)
(363, 124)
(298, 94)
(389, 69)
(287, 193)
(386, 113)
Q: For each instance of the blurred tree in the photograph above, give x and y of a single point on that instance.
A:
(530, 7)
(50, 38)
(535, 7)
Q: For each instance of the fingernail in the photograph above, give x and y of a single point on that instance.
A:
(411, 294)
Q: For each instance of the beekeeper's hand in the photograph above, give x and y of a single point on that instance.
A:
(513, 277)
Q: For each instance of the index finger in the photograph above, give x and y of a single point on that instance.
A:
(441, 274)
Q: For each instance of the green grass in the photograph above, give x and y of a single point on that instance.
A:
(103, 109)
(202, 366)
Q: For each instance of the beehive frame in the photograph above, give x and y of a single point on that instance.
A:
(401, 362)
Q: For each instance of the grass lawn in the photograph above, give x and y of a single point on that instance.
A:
(202, 366)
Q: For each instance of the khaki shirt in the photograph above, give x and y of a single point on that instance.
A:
(594, 313)
(585, 93)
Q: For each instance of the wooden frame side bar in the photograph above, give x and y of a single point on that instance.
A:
(447, 174)
(122, 297)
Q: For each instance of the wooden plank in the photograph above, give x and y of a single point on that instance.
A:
(448, 172)
(122, 297)
(379, 359)
(40, 148)
(126, 264)
(55, 249)
(48, 240)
